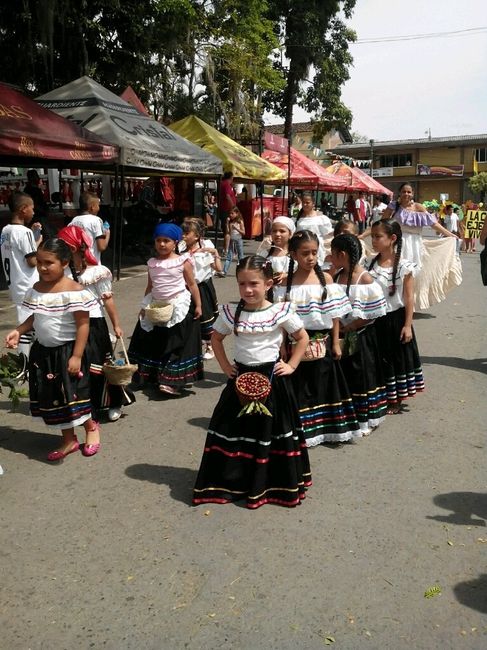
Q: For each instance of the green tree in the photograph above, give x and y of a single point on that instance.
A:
(314, 42)
(478, 184)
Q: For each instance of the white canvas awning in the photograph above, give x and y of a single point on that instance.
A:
(144, 143)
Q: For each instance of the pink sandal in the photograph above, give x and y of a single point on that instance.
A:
(59, 455)
(94, 448)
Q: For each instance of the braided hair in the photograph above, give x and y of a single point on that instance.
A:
(252, 263)
(296, 241)
(350, 245)
(390, 228)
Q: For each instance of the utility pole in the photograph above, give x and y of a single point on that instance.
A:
(371, 142)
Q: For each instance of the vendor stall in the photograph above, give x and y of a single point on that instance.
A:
(357, 180)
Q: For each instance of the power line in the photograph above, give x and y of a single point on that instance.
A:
(415, 37)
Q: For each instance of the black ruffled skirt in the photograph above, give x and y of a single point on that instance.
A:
(209, 308)
(61, 400)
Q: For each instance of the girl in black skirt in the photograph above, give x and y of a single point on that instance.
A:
(98, 280)
(169, 352)
(255, 449)
(325, 403)
(395, 334)
(207, 261)
(360, 361)
(59, 383)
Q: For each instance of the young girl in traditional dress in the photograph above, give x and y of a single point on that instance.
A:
(361, 362)
(207, 261)
(97, 279)
(59, 382)
(395, 334)
(282, 230)
(325, 403)
(260, 456)
(169, 352)
(320, 224)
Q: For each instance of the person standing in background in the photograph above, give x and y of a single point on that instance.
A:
(360, 216)
(350, 208)
(41, 209)
(227, 201)
(89, 221)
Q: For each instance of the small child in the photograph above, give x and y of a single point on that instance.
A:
(97, 279)
(260, 456)
(19, 247)
(236, 230)
(395, 334)
(207, 261)
(169, 352)
(89, 220)
(282, 230)
(59, 382)
(361, 362)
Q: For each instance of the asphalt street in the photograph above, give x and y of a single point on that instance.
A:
(107, 552)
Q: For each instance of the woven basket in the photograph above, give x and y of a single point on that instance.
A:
(159, 312)
(119, 375)
(253, 388)
(316, 349)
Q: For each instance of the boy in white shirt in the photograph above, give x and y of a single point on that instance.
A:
(19, 248)
(88, 220)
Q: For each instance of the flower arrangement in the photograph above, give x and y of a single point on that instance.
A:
(12, 375)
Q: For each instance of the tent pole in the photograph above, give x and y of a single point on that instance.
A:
(218, 212)
(261, 183)
(120, 230)
(115, 224)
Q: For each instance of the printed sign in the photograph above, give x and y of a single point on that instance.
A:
(439, 170)
(473, 221)
(383, 171)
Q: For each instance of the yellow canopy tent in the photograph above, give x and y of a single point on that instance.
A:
(244, 164)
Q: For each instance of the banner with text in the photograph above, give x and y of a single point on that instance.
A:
(474, 221)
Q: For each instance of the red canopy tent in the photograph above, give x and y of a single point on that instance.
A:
(357, 180)
(305, 172)
(32, 135)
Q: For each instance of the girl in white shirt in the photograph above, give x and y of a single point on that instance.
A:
(59, 382)
(395, 334)
(261, 455)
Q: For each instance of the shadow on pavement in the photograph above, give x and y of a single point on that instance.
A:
(201, 423)
(180, 480)
(32, 444)
(476, 365)
(418, 315)
(468, 508)
(473, 593)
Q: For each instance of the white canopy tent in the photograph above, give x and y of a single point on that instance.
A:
(144, 143)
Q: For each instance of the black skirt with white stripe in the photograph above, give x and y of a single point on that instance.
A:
(256, 457)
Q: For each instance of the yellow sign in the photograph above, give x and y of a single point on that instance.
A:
(474, 220)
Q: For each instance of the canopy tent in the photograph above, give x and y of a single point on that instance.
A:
(305, 172)
(129, 95)
(30, 135)
(144, 143)
(244, 164)
(357, 180)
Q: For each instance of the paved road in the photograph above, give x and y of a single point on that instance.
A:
(107, 552)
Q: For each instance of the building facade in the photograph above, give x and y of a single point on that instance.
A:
(435, 167)
(306, 144)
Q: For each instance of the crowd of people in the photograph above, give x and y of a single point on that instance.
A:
(324, 345)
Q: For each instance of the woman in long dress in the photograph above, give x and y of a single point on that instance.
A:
(439, 267)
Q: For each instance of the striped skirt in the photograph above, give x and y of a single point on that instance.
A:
(259, 458)
(401, 362)
(363, 372)
(325, 403)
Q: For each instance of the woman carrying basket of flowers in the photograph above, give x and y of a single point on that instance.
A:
(255, 448)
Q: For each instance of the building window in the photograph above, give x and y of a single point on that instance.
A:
(397, 160)
(481, 155)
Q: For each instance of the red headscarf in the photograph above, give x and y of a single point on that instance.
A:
(78, 240)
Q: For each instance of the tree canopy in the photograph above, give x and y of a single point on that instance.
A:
(224, 60)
